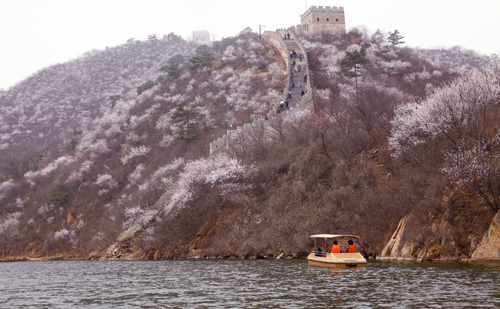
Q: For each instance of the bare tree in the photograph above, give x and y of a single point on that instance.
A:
(276, 129)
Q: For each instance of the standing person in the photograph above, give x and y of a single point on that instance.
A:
(300, 84)
(289, 94)
(288, 35)
(293, 84)
(302, 93)
(299, 67)
(286, 104)
(305, 78)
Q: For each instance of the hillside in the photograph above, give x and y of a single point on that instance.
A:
(334, 169)
(123, 159)
(53, 106)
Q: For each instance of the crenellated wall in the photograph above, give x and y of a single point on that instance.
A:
(201, 37)
(319, 18)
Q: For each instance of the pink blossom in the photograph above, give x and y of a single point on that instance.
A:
(106, 180)
(323, 94)
(102, 191)
(70, 235)
(61, 161)
(75, 176)
(136, 174)
(4, 186)
(113, 130)
(166, 141)
(275, 72)
(219, 170)
(99, 146)
(164, 121)
(132, 214)
(19, 203)
(9, 225)
(452, 107)
(45, 208)
(473, 165)
(135, 152)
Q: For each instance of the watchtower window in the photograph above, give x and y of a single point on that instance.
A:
(328, 19)
(318, 18)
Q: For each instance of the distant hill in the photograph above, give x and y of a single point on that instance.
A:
(54, 105)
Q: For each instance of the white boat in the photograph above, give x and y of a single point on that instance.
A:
(342, 253)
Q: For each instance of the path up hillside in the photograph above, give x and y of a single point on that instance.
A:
(123, 244)
(296, 102)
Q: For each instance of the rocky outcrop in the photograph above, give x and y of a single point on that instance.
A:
(396, 245)
(417, 241)
(489, 247)
(428, 239)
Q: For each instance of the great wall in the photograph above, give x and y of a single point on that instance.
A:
(297, 101)
(122, 246)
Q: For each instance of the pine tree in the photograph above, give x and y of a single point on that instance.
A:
(204, 60)
(60, 194)
(189, 127)
(351, 65)
(395, 38)
(174, 70)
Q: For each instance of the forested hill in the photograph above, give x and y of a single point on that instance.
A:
(348, 165)
(117, 160)
(53, 106)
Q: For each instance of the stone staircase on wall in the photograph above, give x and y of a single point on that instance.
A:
(296, 103)
(122, 246)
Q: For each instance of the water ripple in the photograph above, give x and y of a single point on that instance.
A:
(245, 284)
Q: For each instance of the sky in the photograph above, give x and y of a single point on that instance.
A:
(38, 33)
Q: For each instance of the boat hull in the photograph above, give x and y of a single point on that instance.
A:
(337, 260)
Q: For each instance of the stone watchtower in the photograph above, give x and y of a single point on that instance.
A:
(319, 19)
(201, 37)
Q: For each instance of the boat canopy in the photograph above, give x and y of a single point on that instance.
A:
(331, 236)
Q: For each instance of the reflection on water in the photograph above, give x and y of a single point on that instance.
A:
(246, 284)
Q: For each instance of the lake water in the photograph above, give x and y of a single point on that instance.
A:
(245, 284)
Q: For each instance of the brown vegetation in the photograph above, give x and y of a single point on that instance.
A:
(328, 170)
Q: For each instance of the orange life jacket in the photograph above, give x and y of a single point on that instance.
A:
(352, 249)
(336, 249)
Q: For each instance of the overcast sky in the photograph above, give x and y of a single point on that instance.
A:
(38, 33)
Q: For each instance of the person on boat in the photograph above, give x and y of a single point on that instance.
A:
(319, 252)
(350, 248)
(336, 247)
